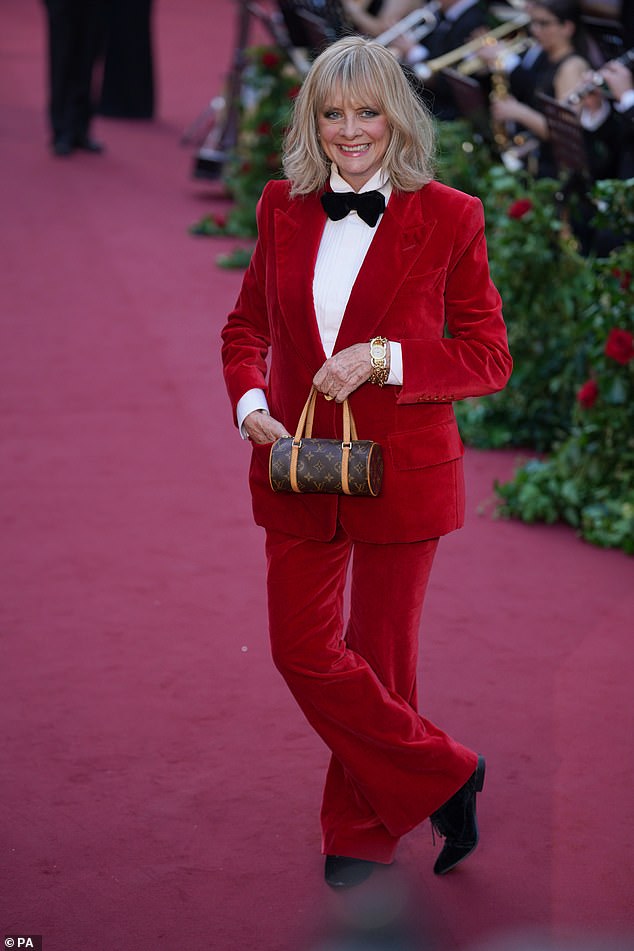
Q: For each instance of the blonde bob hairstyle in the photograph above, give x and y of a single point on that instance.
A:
(360, 71)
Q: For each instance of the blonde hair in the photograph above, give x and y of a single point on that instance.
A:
(363, 71)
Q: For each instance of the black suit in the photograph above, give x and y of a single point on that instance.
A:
(76, 30)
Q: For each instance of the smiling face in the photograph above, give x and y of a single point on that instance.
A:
(355, 135)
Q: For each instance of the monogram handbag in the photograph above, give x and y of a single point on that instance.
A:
(303, 463)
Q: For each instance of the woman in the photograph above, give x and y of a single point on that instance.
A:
(318, 291)
(555, 25)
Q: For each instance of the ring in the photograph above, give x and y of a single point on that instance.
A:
(327, 397)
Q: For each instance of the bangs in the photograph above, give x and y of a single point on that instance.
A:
(362, 82)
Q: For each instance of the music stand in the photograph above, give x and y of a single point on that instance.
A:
(566, 138)
(471, 100)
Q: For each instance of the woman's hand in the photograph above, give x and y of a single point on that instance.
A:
(262, 428)
(344, 372)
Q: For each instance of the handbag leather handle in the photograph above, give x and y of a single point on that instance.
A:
(305, 428)
(307, 415)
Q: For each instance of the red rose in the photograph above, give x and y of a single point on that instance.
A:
(293, 92)
(219, 220)
(270, 60)
(264, 128)
(620, 345)
(520, 208)
(273, 161)
(588, 394)
(623, 277)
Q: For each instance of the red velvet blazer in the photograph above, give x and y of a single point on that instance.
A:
(426, 272)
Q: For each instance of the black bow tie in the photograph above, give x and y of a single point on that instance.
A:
(368, 205)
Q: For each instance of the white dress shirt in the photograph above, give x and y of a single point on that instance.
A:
(342, 250)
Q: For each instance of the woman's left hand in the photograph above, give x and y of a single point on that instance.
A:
(344, 372)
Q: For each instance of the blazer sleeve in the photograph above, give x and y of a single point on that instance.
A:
(473, 359)
(246, 335)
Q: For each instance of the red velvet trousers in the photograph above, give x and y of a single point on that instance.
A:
(390, 767)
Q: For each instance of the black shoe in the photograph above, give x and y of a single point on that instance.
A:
(344, 872)
(86, 144)
(62, 146)
(456, 822)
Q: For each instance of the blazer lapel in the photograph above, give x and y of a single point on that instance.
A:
(297, 236)
(402, 235)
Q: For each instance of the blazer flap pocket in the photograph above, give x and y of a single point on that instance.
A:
(430, 446)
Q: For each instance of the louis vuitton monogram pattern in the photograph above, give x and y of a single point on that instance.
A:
(319, 466)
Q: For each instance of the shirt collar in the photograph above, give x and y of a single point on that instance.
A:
(379, 182)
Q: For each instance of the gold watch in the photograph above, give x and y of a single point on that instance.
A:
(378, 359)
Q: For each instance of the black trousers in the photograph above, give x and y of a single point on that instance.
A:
(128, 77)
(76, 35)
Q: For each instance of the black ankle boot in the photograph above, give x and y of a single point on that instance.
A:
(344, 872)
(456, 822)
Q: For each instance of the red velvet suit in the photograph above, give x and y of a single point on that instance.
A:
(426, 270)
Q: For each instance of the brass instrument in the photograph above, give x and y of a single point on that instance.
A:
(427, 69)
(476, 64)
(499, 90)
(419, 22)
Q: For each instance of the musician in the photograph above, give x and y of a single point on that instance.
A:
(457, 23)
(555, 72)
(609, 116)
(361, 255)
(372, 19)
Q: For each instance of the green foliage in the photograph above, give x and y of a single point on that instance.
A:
(544, 283)
(463, 159)
(588, 479)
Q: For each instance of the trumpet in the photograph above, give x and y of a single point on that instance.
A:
(475, 64)
(424, 19)
(431, 67)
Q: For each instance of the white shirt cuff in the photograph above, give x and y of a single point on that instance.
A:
(396, 364)
(251, 401)
(593, 120)
(626, 101)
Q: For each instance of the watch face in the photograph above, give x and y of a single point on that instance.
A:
(378, 351)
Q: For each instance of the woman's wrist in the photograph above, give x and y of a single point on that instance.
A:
(379, 360)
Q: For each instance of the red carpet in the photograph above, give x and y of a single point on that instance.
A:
(160, 790)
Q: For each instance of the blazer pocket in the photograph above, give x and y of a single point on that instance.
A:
(428, 280)
(430, 446)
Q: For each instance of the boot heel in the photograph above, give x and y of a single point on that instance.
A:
(478, 782)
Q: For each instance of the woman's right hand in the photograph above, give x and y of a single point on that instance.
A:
(262, 428)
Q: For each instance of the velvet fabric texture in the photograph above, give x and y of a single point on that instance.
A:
(390, 768)
(426, 269)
